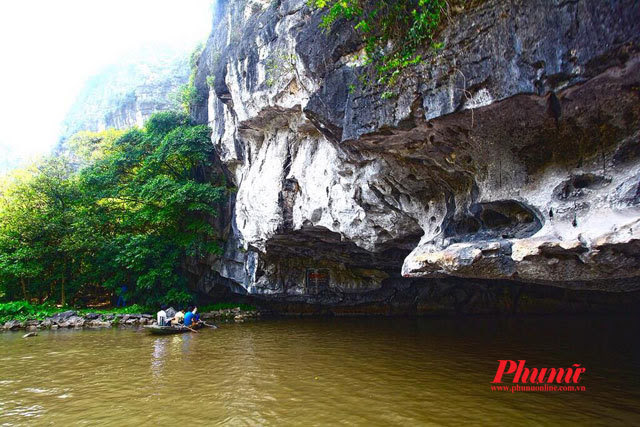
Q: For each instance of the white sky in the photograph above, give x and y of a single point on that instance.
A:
(48, 49)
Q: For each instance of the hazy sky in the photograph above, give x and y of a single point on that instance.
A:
(48, 49)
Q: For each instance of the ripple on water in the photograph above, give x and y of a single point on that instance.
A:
(36, 390)
(22, 411)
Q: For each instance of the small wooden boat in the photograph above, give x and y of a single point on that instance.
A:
(169, 330)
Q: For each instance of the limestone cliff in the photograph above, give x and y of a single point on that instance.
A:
(125, 94)
(511, 156)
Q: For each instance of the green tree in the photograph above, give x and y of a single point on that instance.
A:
(36, 217)
(158, 187)
(132, 216)
(84, 148)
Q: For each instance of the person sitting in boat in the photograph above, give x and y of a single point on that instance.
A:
(162, 316)
(178, 318)
(170, 313)
(189, 317)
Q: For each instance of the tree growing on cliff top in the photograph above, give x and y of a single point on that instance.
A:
(131, 217)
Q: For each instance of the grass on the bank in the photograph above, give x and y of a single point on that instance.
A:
(23, 310)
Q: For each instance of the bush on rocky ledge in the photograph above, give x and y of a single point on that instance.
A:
(392, 30)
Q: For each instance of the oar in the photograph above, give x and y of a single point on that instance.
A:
(192, 330)
(209, 326)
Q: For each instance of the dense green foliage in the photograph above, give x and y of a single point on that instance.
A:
(84, 147)
(393, 30)
(23, 310)
(131, 217)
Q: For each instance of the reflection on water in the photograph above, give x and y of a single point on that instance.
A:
(321, 371)
(159, 354)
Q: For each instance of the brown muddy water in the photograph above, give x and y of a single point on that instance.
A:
(365, 371)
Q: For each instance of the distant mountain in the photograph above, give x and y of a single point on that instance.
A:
(125, 94)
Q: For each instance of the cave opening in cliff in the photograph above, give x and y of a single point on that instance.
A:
(493, 220)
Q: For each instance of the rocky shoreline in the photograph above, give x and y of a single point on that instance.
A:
(72, 319)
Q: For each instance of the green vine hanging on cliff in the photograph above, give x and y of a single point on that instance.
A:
(188, 95)
(392, 30)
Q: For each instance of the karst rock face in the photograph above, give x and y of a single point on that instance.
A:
(128, 92)
(511, 155)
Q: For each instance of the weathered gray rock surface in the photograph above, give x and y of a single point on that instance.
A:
(465, 172)
(125, 94)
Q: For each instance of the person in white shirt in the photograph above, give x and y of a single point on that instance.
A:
(162, 317)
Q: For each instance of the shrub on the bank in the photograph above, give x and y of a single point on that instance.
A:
(23, 310)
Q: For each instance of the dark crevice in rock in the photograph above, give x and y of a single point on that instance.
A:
(494, 220)
(577, 186)
(319, 243)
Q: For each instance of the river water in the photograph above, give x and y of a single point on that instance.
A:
(354, 371)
